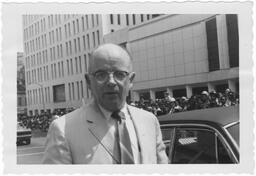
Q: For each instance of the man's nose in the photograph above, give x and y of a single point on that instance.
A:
(111, 80)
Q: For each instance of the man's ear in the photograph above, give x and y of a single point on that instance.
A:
(88, 81)
(131, 77)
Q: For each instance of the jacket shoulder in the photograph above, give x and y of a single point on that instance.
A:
(142, 112)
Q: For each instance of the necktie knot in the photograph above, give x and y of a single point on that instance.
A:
(118, 115)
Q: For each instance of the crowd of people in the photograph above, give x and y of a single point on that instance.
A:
(41, 121)
(201, 101)
(158, 107)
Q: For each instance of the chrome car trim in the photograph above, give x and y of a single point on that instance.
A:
(231, 124)
(24, 136)
(232, 139)
(208, 126)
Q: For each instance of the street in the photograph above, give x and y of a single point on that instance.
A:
(32, 153)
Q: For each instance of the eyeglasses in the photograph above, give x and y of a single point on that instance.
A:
(102, 75)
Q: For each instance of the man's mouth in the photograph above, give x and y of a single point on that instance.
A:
(111, 93)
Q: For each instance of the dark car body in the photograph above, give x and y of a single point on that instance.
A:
(23, 134)
(202, 136)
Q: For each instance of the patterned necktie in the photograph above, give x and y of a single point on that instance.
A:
(123, 139)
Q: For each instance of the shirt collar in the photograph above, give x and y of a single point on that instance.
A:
(107, 114)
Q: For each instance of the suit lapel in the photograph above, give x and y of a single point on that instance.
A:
(99, 129)
(141, 132)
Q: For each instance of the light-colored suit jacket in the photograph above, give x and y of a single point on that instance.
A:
(82, 137)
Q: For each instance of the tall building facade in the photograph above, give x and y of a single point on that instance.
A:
(56, 52)
(21, 87)
(182, 54)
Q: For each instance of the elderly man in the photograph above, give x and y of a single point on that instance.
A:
(106, 130)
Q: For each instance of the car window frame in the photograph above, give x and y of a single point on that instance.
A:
(234, 158)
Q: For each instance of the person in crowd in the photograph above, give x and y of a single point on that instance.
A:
(106, 130)
(204, 100)
(213, 99)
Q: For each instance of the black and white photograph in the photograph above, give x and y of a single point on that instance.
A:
(127, 90)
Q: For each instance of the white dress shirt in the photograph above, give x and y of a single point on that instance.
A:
(130, 127)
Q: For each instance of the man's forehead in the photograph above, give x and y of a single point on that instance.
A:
(110, 52)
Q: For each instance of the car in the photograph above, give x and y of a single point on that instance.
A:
(202, 136)
(23, 134)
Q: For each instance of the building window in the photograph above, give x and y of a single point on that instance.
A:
(62, 68)
(92, 20)
(74, 28)
(69, 91)
(85, 63)
(233, 39)
(84, 42)
(82, 19)
(82, 89)
(133, 19)
(76, 64)
(118, 19)
(148, 17)
(88, 41)
(80, 64)
(127, 19)
(60, 33)
(75, 46)
(57, 35)
(69, 30)
(55, 71)
(78, 43)
(66, 48)
(59, 93)
(111, 19)
(73, 91)
(77, 25)
(212, 45)
(61, 51)
(68, 66)
(78, 91)
(87, 22)
(98, 36)
(141, 18)
(94, 42)
(70, 47)
(59, 71)
(71, 67)
(97, 19)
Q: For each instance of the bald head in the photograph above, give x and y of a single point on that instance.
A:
(109, 53)
(112, 60)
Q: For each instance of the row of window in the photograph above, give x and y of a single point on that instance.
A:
(37, 75)
(86, 22)
(73, 66)
(42, 95)
(57, 70)
(59, 50)
(58, 35)
(38, 96)
(56, 52)
(35, 44)
(37, 59)
(76, 90)
(34, 29)
(116, 19)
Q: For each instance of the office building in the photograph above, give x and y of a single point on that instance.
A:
(182, 54)
(56, 51)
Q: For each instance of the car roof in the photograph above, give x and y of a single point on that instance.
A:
(220, 115)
